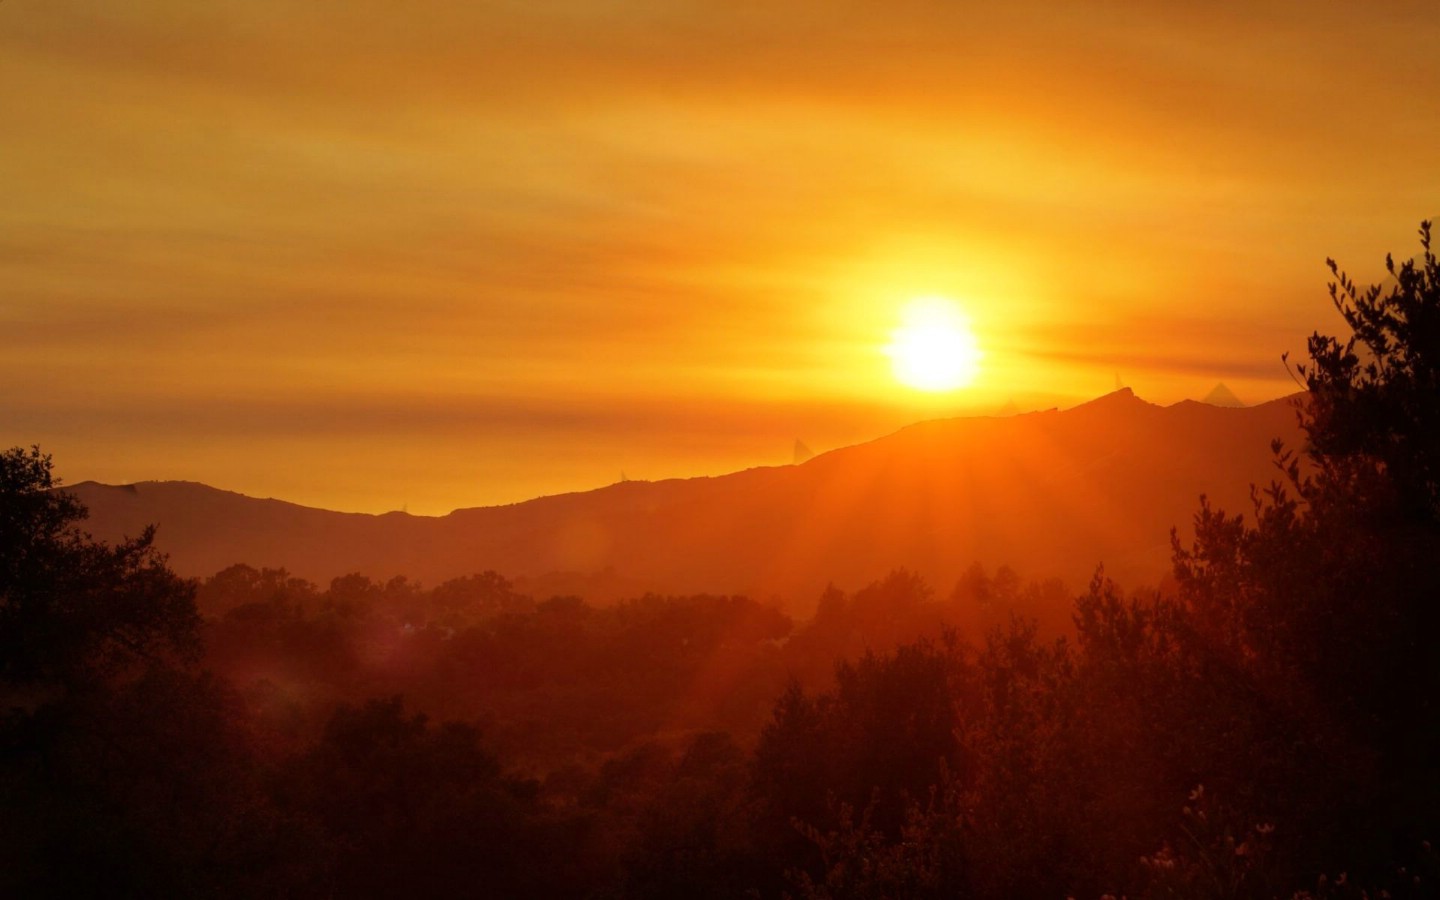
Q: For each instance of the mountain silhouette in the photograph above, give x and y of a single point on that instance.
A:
(1052, 493)
(1220, 395)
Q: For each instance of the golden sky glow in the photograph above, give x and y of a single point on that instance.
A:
(365, 255)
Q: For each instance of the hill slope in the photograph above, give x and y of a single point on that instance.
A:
(1050, 493)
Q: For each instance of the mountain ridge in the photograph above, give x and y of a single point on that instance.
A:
(1054, 493)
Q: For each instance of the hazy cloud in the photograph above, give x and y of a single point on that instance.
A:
(292, 205)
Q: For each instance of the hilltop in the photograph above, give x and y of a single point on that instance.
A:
(1052, 493)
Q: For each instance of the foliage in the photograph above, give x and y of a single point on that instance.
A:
(417, 810)
(858, 860)
(1215, 856)
(694, 829)
(148, 788)
(1321, 600)
(73, 611)
(880, 736)
(1373, 396)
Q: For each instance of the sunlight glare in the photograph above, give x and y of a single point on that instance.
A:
(934, 348)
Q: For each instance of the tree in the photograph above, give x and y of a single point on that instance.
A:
(73, 610)
(882, 734)
(1325, 600)
(419, 810)
(121, 773)
(1375, 398)
(1335, 578)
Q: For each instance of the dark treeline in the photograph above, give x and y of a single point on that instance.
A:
(560, 680)
(1263, 725)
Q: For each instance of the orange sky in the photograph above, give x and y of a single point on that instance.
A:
(367, 255)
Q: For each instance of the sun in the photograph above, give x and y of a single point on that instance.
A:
(934, 348)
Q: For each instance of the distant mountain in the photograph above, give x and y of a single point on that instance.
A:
(1220, 395)
(1050, 493)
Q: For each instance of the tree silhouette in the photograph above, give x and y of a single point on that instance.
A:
(418, 810)
(73, 610)
(123, 771)
(1325, 599)
(1375, 398)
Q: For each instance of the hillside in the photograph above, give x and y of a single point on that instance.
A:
(1050, 493)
